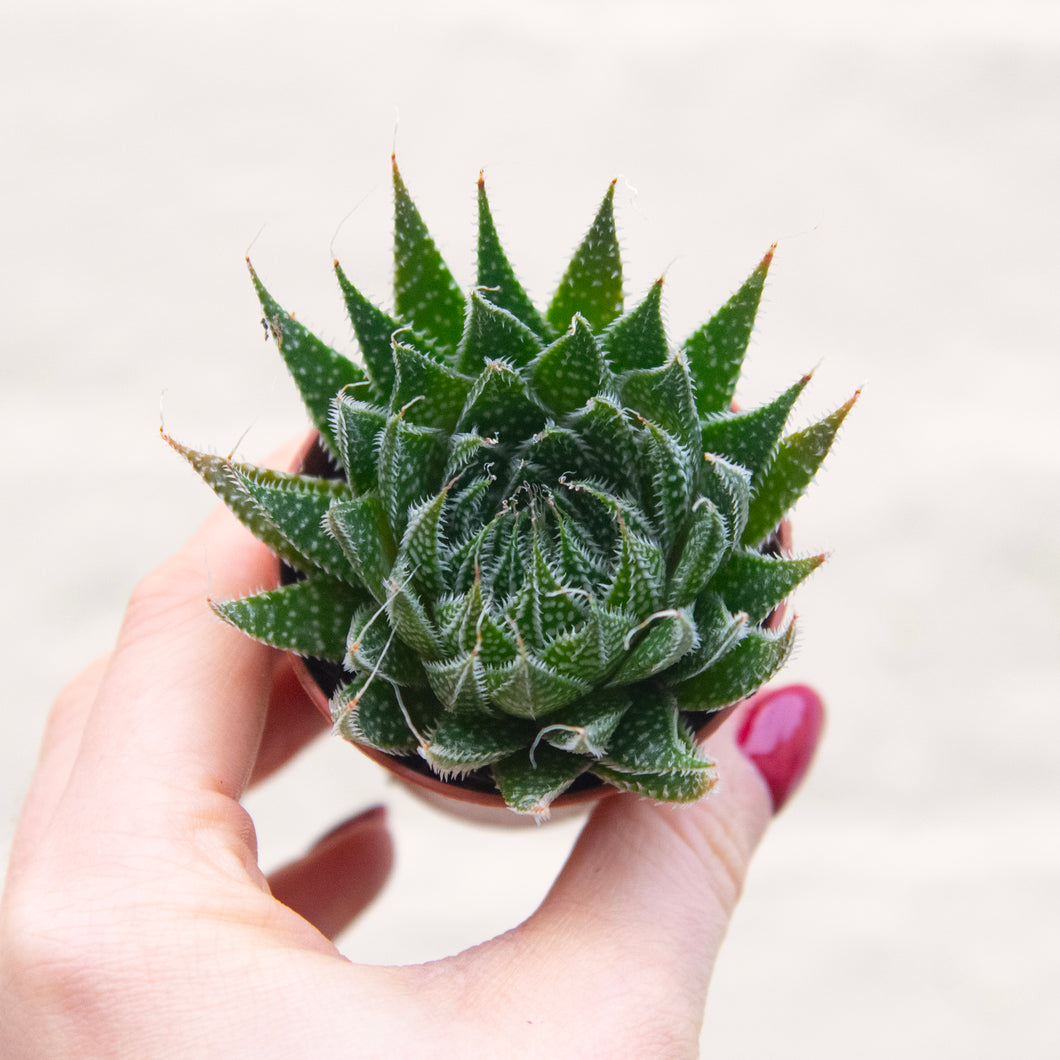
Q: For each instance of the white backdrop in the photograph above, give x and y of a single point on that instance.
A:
(906, 157)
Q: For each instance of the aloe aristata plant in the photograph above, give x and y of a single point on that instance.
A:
(542, 547)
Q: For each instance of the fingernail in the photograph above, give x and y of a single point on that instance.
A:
(779, 735)
(372, 816)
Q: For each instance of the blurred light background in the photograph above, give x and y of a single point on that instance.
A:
(906, 157)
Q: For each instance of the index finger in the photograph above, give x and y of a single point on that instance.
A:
(184, 696)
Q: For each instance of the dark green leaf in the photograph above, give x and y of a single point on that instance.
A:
(570, 371)
(651, 738)
(592, 284)
(586, 727)
(373, 329)
(728, 486)
(739, 672)
(530, 688)
(660, 640)
(719, 632)
(494, 334)
(496, 275)
(664, 396)
(750, 439)
(319, 371)
(309, 617)
(443, 390)
(703, 551)
(530, 785)
(409, 617)
(373, 648)
(357, 427)
(716, 350)
(754, 583)
(638, 339)
(501, 404)
(798, 459)
(421, 546)
(360, 527)
(379, 715)
(425, 292)
(411, 461)
(466, 739)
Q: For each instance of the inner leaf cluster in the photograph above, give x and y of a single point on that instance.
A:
(543, 543)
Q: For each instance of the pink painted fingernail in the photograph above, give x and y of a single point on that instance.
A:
(780, 734)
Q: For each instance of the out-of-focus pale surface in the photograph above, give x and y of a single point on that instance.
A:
(907, 158)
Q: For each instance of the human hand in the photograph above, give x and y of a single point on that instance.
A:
(136, 922)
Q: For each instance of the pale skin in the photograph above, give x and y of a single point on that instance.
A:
(136, 922)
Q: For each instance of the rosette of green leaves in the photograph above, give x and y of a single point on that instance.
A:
(546, 544)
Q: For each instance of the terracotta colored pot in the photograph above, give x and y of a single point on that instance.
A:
(473, 798)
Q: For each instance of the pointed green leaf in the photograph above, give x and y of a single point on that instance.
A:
(590, 650)
(501, 404)
(552, 452)
(308, 617)
(469, 508)
(661, 640)
(676, 786)
(556, 606)
(796, 463)
(457, 682)
(728, 486)
(297, 505)
(442, 389)
(592, 284)
(754, 583)
(421, 546)
(739, 672)
(637, 583)
(468, 453)
(750, 438)
(494, 334)
(506, 574)
(586, 727)
(233, 483)
(664, 396)
(718, 632)
(579, 565)
(652, 738)
(425, 292)
(702, 553)
(373, 329)
(570, 371)
(319, 371)
(638, 339)
(466, 739)
(373, 648)
(496, 275)
(361, 529)
(669, 470)
(529, 688)
(357, 427)
(530, 786)
(495, 641)
(409, 617)
(716, 350)
(609, 440)
(379, 715)
(411, 461)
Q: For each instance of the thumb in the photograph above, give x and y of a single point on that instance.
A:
(333, 883)
(662, 881)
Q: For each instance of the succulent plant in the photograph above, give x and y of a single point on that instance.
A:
(542, 547)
